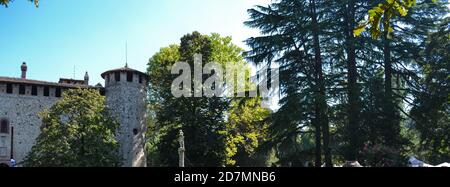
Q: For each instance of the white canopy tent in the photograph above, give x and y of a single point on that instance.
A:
(414, 162)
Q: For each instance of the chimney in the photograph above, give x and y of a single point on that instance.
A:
(24, 70)
(86, 78)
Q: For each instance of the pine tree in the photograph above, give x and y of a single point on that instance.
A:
(431, 109)
(401, 49)
(365, 79)
(292, 35)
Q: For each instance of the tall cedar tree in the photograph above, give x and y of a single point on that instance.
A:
(291, 38)
(431, 110)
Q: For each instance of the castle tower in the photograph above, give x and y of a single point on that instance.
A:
(125, 91)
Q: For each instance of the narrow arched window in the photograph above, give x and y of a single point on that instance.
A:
(4, 126)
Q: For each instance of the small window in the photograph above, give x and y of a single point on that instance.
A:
(46, 91)
(22, 89)
(135, 131)
(34, 90)
(9, 88)
(58, 92)
(4, 126)
(140, 78)
(117, 76)
(130, 76)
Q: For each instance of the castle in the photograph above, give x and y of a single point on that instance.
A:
(21, 100)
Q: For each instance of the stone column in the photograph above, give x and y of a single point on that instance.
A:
(181, 150)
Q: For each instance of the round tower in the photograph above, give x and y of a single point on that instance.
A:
(126, 93)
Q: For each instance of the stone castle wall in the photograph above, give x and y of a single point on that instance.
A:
(125, 98)
(21, 111)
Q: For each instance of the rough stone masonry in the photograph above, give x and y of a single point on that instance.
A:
(21, 99)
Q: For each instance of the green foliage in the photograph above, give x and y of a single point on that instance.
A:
(160, 80)
(296, 151)
(385, 72)
(380, 16)
(372, 94)
(224, 51)
(246, 131)
(6, 2)
(431, 111)
(382, 156)
(291, 40)
(201, 119)
(77, 132)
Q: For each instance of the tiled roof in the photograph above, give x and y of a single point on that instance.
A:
(36, 82)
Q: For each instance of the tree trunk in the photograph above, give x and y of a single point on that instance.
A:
(352, 75)
(318, 148)
(392, 132)
(387, 68)
(320, 97)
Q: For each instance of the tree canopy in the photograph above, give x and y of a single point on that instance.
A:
(214, 134)
(379, 17)
(351, 97)
(76, 132)
(346, 95)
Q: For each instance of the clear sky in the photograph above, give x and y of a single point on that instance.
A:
(90, 35)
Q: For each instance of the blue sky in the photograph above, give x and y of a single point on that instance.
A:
(90, 35)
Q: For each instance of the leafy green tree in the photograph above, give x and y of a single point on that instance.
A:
(159, 89)
(171, 114)
(76, 132)
(379, 17)
(201, 119)
(246, 131)
(158, 92)
(246, 121)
